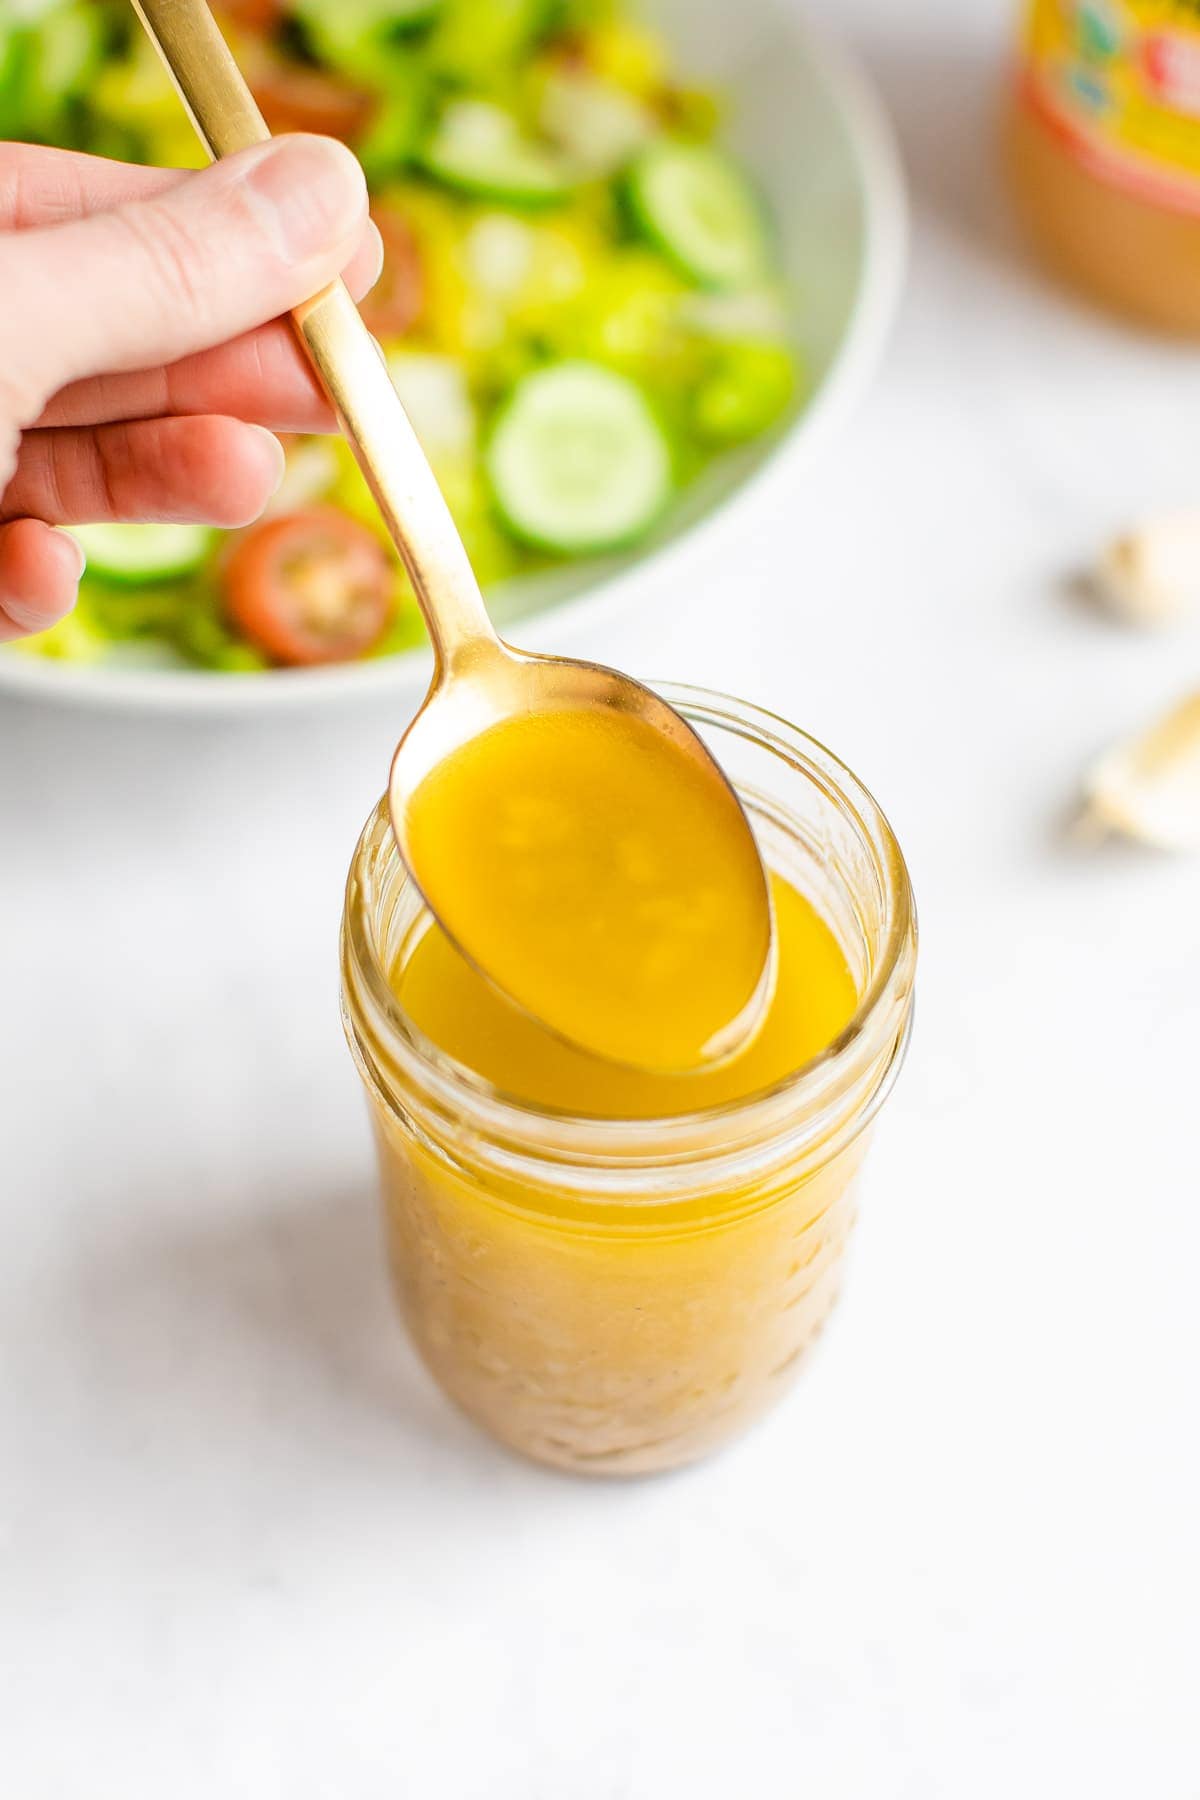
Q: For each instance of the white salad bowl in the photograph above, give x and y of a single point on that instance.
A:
(813, 132)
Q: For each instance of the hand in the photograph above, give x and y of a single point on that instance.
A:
(141, 347)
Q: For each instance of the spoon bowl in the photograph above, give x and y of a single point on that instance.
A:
(610, 821)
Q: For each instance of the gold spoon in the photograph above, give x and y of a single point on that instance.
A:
(478, 680)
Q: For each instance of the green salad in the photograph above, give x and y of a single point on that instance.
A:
(580, 306)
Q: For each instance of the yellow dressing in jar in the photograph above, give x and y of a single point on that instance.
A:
(584, 862)
(814, 1000)
(615, 1271)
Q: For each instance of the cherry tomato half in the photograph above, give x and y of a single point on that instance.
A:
(260, 16)
(395, 302)
(310, 587)
(296, 98)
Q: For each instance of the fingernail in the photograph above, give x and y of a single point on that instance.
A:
(272, 452)
(375, 239)
(78, 553)
(277, 454)
(308, 194)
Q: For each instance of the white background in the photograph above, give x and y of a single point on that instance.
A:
(245, 1550)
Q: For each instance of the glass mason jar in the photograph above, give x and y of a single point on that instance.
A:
(619, 1296)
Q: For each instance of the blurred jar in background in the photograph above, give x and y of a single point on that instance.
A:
(1104, 150)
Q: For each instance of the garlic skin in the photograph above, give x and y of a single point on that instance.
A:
(1148, 788)
(1151, 575)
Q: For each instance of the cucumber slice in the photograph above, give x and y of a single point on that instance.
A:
(700, 210)
(577, 461)
(479, 149)
(137, 553)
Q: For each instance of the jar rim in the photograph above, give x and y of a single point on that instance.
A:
(864, 1033)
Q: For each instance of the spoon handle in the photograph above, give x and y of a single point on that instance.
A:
(342, 351)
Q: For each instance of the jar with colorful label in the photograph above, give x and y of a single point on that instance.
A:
(1104, 146)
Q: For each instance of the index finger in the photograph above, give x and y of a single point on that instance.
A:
(39, 186)
(261, 377)
(157, 279)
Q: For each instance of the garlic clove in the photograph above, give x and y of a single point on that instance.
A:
(1148, 788)
(1151, 575)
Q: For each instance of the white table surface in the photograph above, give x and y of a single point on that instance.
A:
(245, 1549)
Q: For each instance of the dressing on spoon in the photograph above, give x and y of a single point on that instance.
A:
(570, 832)
(586, 860)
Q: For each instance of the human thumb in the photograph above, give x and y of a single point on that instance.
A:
(156, 279)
